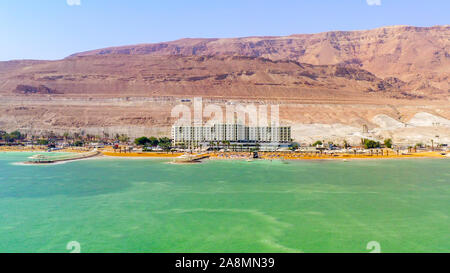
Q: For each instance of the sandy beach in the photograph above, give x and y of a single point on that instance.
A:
(41, 149)
(281, 155)
(387, 154)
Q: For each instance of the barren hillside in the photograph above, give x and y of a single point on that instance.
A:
(207, 76)
(417, 55)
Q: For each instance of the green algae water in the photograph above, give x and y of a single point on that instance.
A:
(149, 205)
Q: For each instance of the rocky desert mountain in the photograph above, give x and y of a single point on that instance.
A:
(417, 55)
(395, 80)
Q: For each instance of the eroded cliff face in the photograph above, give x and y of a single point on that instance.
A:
(328, 85)
(209, 76)
(417, 55)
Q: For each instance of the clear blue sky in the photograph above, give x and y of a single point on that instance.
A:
(53, 29)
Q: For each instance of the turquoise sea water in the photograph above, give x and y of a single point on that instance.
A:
(148, 205)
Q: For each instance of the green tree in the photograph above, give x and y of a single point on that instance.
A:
(16, 135)
(318, 142)
(142, 141)
(42, 142)
(371, 144)
(166, 146)
(123, 138)
(153, 141)
(388, 143)
(78, 143)
(7, 138)
(164, 140)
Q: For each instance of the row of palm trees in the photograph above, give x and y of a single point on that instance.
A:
(52, 137)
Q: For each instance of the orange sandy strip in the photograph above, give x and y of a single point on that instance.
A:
(234, 155)
(298, 156)
(352, 156)
(150, 154)
(21, 149)
(40, 149)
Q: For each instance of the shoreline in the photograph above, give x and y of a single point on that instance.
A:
(245, 156)
(282, 156)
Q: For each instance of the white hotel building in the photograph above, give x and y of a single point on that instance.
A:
(231, 133)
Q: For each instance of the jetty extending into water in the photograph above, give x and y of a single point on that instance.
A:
(44, 159)
(191, 158)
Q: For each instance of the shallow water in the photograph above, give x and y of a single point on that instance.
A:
(121, 205)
